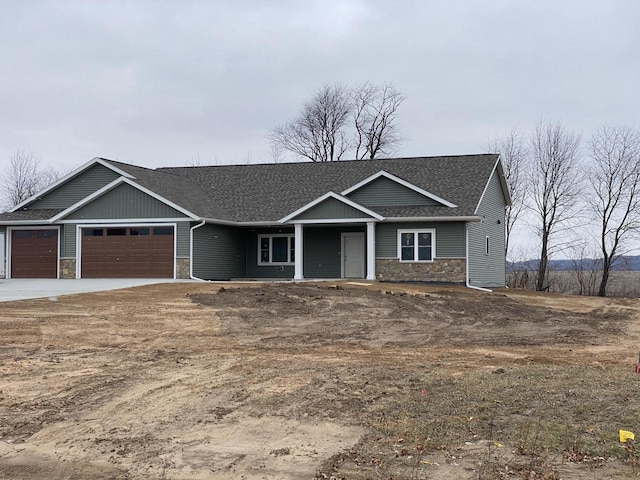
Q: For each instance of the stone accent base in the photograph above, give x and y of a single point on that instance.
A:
(445, 271)
(182, 268)
(67, 268)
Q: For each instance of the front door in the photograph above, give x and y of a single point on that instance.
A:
(353, 255)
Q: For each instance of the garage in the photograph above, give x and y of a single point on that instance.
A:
(127, 252)
(34, 253)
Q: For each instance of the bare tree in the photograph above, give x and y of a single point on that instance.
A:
(555, 186)
(338, 118)
(614, 175)
(23, 178)
(514, 156)
(374, 115)
(318, 133)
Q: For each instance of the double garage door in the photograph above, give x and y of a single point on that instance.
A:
(133, 252)
(109, 252)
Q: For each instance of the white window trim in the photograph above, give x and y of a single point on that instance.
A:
(417, 231)
(291, 239)
(486, 245)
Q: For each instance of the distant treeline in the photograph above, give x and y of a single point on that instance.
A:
(624, 263)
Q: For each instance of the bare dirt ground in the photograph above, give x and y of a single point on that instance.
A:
(286, 381)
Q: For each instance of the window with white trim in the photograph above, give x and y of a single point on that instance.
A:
(416, 245)
(276, 249)
(486, 245)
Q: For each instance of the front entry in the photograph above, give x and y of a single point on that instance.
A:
(353, 255)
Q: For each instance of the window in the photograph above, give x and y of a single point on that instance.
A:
(116, 232)
(163, 231)
(486, 245)
(92, 232)
(416, 245)
(276, 249)
(139, 231)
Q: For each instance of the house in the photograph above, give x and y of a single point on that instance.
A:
(429, 219)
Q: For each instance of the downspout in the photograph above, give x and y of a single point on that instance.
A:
(466, 232)
(191, 247)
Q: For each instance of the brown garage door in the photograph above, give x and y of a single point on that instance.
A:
(34, 253)
(131, 252)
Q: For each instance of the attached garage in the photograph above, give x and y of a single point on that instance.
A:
(127, 252)
(34, 253)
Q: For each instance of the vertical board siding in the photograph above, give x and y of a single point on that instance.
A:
(218, 252)
(264, 271)
(182, 239)
(68, 240)
(125, 201)
(76, 188)
(331, 209)
(488, 270)
(450, 238)
(385, 192)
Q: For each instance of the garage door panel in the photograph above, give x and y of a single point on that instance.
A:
(115, 252)
(34, 253)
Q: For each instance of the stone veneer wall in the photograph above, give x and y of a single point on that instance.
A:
(67, 268)
(182, 268)
(440, 270)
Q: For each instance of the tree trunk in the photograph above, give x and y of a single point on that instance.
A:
(542, 265)
(606, 268)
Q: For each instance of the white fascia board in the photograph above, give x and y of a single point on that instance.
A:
(434, 219)
(400, 181)
(505, 190)
(331, 221)
(335, 196)
(111, 186)
(69, 176)
(120, 221)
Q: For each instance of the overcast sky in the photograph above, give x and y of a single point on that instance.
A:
(162, 82)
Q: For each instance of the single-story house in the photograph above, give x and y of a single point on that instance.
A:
(428, 219)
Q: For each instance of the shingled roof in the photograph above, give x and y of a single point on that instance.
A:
(266, 193)
(269, 192)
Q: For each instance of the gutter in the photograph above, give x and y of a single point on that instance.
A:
(191, 251)
(467, 284)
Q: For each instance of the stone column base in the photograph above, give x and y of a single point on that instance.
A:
(182, 268)
(67, 268)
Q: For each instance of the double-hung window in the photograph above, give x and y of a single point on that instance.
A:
(276, 249)
(416, 245)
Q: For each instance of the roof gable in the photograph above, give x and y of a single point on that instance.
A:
(71, 188)
(331, 206)
(123, 198)
(396, 192)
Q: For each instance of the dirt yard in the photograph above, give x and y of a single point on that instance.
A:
(318, 381)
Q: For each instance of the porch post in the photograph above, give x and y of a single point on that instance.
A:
(298, 274)
(371, 251)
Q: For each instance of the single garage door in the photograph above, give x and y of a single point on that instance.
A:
(127, 252)
(34, 253)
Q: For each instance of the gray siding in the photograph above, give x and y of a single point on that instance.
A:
(386, 192)
(76, 188)
(125, 201)
(183, 244)
(218, 252)
(488, 270)
(68, 241)
(322, 251)
(450, 238)
(264, 271)
(331, 209)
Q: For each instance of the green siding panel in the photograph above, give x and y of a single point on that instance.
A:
(385, 192)
(488, 270)
(450, 238)
(125, 201)
(218, 252)
(76, 188)
(253, 270)
(331, 209)
(68, 241)
(322, 251)
(183, 244)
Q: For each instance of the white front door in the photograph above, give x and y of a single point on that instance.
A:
(353, 255)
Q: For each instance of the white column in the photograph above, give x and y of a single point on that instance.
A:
(298, 275)
(371, 250)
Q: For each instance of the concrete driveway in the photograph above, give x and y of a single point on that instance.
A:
(22, 289)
